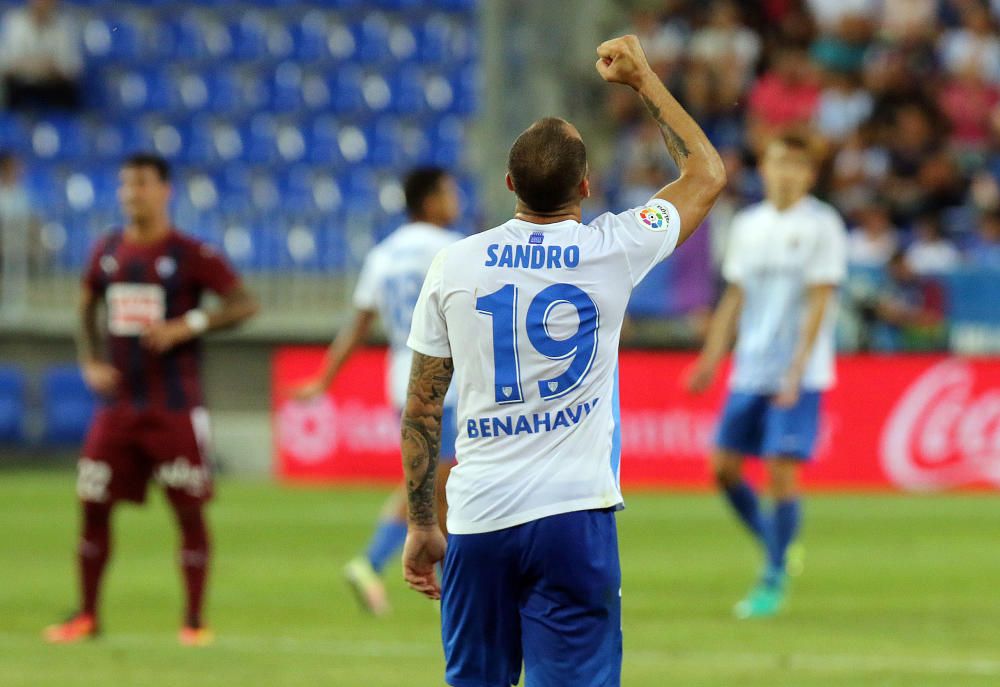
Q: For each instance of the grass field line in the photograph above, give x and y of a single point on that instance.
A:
(723, 661)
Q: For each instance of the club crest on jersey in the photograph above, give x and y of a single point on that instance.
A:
(507, 391)
(536, 239)
(109, 264)
(653, 218)
(165, 266)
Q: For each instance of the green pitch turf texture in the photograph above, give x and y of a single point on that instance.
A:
(897, 591)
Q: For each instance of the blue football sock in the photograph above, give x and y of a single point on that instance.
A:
(388, 537)
(744, 501)
(787, 517)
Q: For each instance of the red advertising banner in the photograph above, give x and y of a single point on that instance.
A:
(906, 422)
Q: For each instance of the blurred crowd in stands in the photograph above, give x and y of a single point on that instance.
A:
(903, 97)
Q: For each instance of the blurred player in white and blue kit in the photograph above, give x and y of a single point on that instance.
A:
(527, 318)
(387, 289)
(785, 259)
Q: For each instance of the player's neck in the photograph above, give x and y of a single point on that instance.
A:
(564, 214)
(782, 204)
(151, 231)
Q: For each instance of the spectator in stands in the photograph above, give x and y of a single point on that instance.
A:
(908, 20)
(833, 15)
(912, 137)
(931, 253)
(784, 98)
(728, 48)
(843, 106)
(907, 313)
(859, 166)
(16, 236)
(973, 45)
(985, 252)
(968, 100)
(40, 57)
(874, 240)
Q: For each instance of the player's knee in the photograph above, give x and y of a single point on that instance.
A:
(727, 473)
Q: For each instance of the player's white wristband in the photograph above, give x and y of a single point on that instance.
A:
(196, 320)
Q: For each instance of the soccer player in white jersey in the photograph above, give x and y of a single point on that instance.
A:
(387, 289)
(784, 261)
(527, 318)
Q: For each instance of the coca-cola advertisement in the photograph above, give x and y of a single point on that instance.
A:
(914, 423)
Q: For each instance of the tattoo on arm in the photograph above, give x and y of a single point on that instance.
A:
(421, 433)
(675, 144)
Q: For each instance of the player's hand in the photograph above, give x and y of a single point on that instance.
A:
(788, 394)
(424, 548)
(622, 60)
(160, 337)
(100, 377)
(310, 390)
(699, 377)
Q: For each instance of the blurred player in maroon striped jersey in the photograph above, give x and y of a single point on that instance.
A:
(152, 424)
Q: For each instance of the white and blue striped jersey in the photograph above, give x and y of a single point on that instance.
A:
(389, 284)
(774, 256)
(531, 315)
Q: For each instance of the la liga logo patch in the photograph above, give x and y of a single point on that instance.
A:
(652, 217)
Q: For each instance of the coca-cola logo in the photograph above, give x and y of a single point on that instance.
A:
(942, 432)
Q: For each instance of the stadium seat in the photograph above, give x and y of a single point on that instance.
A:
(60, 137)
(13, 404)
(346, 86)
(249, 37)
(68, 405)
(286, 88)
(372, 39)
(310, 37)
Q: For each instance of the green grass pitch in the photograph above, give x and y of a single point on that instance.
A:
(898, 590)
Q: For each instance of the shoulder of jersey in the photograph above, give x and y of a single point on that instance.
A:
(826, 211)
(750, 210)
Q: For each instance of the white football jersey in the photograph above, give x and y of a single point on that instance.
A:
(389, 284)
(774, 257)
(531, 315)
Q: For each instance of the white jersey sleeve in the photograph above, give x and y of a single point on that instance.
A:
(734, 263)
(429, 331)
(647, 235)
(827, 263)
(366, 290)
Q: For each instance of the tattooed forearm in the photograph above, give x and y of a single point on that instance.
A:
(675, 144)
(421, 433)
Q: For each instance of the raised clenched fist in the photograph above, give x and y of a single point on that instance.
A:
(622, 60)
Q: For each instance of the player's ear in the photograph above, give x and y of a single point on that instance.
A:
(584, 188)
(510, 183)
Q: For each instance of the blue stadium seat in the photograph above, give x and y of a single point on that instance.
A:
(303, 246)
(407, 90)
(432, 41)
(295, 185)
(112, 39)
(286, 88)
(259, 140)
(60, 138)
(225, 90)
(15, 133)
(249, 36)
(68, 405)
(346, 87)
(465, 84)
(372, 39)
(386, 143)
(341, 45)
(310, 38)
(13, 404)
